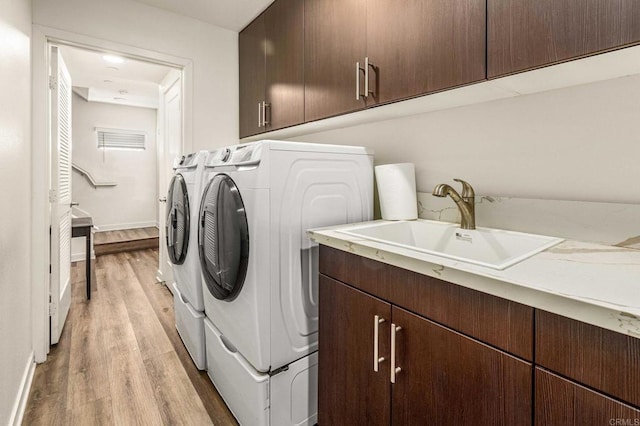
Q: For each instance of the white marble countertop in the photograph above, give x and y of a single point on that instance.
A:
(593, 283)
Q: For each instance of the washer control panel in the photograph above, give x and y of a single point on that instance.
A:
(237, 155)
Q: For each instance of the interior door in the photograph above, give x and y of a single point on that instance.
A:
(170, 114)
(60, 195)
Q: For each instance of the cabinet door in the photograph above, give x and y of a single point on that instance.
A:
(252, 76)
(600, 358)
(421, 46)
(524, 34)
(284, 63)
(350, 392)
(562, 402)
(335, 33)
(447, 378)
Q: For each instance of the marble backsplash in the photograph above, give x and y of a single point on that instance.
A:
(605, 223)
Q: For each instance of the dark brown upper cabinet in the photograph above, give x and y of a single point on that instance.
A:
(252, 77)
(272, 69)
(366, 52)
(525, 34)
(334, 43)
(422, 46)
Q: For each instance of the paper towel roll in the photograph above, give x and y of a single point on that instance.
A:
(397, 191)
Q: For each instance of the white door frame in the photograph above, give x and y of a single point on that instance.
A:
(41, 154)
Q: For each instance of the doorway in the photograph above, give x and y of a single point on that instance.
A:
(53, 298)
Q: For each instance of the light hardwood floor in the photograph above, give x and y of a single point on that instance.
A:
(120, 359)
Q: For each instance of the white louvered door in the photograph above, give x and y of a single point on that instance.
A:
(60, 194)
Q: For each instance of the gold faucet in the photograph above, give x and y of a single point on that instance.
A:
(465, 203)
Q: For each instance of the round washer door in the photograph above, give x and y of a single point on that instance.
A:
(177, 223)
(223, 238)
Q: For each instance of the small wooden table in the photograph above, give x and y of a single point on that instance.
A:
(81, 227)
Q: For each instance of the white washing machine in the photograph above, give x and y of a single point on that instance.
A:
(260, 269)
(183, 204)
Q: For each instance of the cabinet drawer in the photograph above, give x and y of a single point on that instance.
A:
(599, 358)
(502, 323)
(562, 402)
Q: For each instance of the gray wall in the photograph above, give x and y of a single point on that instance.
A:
(578, 143)
(16, 352)
(134, 201)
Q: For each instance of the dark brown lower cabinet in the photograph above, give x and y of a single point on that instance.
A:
(443, 377)
(562, 402)
(448, 353)
(601, 359)
(447, 378)
(351, 393)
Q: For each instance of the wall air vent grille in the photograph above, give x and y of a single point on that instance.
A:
(121, 139)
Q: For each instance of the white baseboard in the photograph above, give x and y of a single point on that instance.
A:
(17, 413)
(122, 226)
(79, 257)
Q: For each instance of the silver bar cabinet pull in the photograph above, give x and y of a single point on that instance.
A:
(265, 105)
(259, 115)
(394, 370)
(377, 320)
(357, 81)
(366, 76)
(367, 65)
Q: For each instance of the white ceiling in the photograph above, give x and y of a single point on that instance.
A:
(132, 82)
(230, 14)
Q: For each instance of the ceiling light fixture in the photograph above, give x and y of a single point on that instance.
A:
(113, 59)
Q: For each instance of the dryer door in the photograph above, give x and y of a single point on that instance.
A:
(177, 223)
(223, 238)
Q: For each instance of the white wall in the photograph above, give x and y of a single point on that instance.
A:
(133, 201)
(213, 50)
(15, 183)
(578, 143)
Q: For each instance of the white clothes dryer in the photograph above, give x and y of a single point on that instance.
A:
(183, 204)
(260, 269)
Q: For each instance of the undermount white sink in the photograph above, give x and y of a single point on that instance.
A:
(493, 248)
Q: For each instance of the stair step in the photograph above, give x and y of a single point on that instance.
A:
(121, 246)
(110, 242)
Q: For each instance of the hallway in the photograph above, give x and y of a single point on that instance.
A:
(120, 359)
